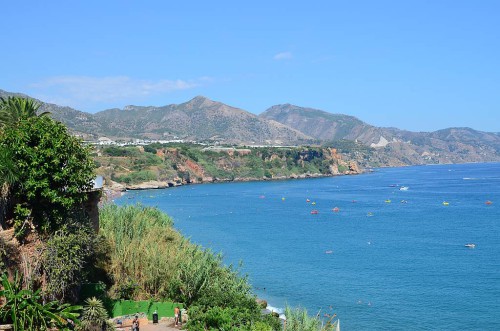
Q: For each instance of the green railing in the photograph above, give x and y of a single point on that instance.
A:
(117, 308)
(129, 307)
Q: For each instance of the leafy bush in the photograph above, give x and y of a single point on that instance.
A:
(69, 257)
(121, 151)
(53, 170)
(24, 308)
(149, 149)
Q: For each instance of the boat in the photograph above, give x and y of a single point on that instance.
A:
(328, 252)
(282, 199)
(470, 245)
(404, 188)
(313, 203)
(445, 203)
(307, 200)
(404, 201)
(314, 211)
(488, 202)
(336, 209)
(370, 214)
(388, 201)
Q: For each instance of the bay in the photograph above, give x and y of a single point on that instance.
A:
(379, 265)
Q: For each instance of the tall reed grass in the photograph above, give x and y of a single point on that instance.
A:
(144, 247)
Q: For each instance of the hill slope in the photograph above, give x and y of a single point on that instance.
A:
(199, 119)
(202, 119)
(80, 123)
(392, 146)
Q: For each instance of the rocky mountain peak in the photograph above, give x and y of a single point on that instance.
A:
(199, 102)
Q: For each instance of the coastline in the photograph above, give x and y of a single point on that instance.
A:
(114, 189)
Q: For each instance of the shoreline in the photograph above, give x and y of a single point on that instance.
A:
(114, 188)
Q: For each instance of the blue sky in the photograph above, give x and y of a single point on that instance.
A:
(412, 64)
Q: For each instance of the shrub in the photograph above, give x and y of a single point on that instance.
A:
(68, 259)
(53, 171)
(24, 308)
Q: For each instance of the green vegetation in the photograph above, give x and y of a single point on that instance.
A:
(43, 185)
(193, 163)
(72, 256)
(298, 320)
(53, 171)
(137, 253)
(15, 109)
(149, 259)
(23, 308)
(94, 316)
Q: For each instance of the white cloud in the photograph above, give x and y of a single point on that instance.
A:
(86, 89)
(283, 56)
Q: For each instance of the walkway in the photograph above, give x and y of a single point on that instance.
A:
(160, 327)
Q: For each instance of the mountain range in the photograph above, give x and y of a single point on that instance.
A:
(202, 119)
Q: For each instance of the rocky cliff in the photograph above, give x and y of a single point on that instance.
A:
(135, 168)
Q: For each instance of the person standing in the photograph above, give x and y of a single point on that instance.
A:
(177, 313)
(135, 323)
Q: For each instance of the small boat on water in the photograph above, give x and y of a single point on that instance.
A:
(370, 214)
(388, 201)
(404, 188)
(336, 209)
(328, 252)
(314, 212)
(313, 203)
(307, 200)
(488, 202)
(470, 245)
(445, 203)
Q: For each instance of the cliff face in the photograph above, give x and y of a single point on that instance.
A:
(168, 166)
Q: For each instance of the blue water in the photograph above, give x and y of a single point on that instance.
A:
(404, 268)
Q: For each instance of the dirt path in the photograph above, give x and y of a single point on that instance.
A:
(160, 327)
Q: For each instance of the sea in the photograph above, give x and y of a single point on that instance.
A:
(378, 257)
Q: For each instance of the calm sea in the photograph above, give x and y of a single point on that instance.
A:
(379, 265)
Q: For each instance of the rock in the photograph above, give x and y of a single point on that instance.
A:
(153, 184)
(262, 303)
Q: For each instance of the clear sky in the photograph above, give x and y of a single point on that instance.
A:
(413, 64)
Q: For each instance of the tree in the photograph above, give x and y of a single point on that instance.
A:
(54, 171)
(12, 110)
(15, 109)
(7, 167)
